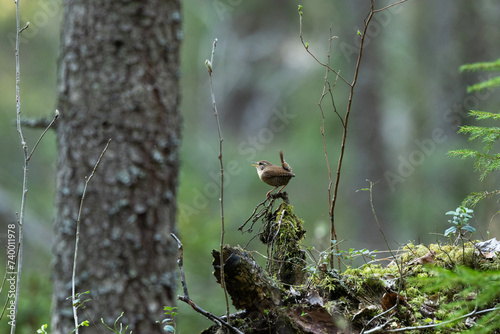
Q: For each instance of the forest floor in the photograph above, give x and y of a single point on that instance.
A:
(439, 288)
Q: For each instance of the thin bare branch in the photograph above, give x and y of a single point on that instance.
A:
(327, 89)
(209, 65)
(332, 198)
(380, 329)
(306, 47)
(185, 298)
(36, 123)
(389, 6)
(24, 146)
(77, 237)
(180, 263)
(346, 120)
(56, 114)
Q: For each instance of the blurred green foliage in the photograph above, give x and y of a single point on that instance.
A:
(34, 304)
(472, 291)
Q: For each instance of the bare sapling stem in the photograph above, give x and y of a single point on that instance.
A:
(327, 90)
(20, 215)
(209, 65)
(77, 237)
(20, 220)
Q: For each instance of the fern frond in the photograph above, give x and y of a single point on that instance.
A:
(482, 162)
(472, 199)
(480, 115)
(481, 66)
(494, 82)
(487, 164)
(490, 135)
(474, 131)
(463, 154)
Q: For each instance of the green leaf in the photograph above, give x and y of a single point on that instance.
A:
(42, 329)
(169, 329)
(469, 228)
(450, 230)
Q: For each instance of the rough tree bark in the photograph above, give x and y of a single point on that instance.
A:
(119, 75)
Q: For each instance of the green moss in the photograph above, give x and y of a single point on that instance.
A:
(283, 232)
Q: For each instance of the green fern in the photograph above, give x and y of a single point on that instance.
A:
(484, 85)
(484, 162)
(481, 66)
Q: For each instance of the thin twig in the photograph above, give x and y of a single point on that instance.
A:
(209, 65)
(312, 55)
(20, 221)
(35, 123)
(185, 298)
(323, 94)
(254, 217)
(26, 26)
(378, 224)
(404, 329)
(378, 316)
(180, 261)
(251, 216)
(333, 236)
(78, 221)
(388, 6)
(399, 266)
(346, 118)
(56, 114)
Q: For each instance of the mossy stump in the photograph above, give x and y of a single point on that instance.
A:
(282, 233)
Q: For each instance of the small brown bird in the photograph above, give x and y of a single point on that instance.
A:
(273, 175)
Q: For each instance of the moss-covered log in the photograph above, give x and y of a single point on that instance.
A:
(249, 286)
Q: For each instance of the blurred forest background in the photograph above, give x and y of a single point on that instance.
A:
(408, 104)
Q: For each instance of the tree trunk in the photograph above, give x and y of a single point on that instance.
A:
(118, 79)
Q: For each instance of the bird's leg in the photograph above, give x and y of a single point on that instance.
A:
(280, 189)
(270, 191)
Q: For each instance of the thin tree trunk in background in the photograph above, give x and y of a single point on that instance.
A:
(118, 79)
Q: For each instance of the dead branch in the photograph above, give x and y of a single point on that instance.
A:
(255, 216)
(185, 298)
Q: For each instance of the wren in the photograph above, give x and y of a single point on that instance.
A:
(276, 176)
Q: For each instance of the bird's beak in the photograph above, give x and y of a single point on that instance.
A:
(255, 164)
